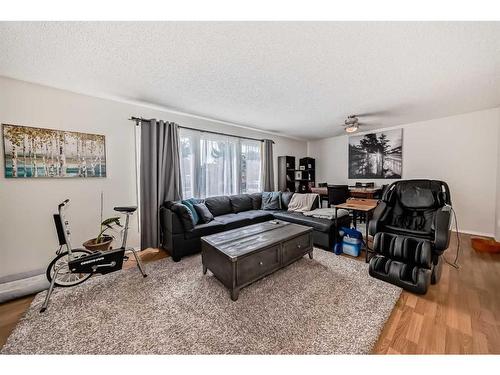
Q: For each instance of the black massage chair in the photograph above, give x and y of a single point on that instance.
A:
(411, 229)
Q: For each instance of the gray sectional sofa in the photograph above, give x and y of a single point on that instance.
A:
(180, 237)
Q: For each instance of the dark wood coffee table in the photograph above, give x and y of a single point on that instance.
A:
(241, 256)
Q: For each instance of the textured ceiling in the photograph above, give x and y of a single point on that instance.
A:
(297, 78)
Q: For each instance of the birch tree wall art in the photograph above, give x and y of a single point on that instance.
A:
(44, 153)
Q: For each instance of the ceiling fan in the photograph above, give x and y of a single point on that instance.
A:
(351, 124)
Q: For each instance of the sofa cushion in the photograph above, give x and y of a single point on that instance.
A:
(257, 216)
(204, 213)
(256, 200)
(232, 221)
(286, 196)
(206, 229)
(321, 225)
(220, 205)
(189, 203)
(241, 202)
(184, 214)
(271, 200)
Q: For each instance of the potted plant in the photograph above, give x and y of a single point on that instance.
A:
(103, 241)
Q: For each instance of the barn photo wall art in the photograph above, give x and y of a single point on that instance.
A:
(376, 155)
(31, 152)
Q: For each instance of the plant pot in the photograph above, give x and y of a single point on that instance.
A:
(93, 246)
(485, 245)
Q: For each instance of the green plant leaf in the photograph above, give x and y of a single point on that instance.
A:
(111, 220)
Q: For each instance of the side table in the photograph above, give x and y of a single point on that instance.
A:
(359, 206)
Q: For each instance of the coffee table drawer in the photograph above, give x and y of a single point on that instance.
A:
(255, 265)
(297, 247)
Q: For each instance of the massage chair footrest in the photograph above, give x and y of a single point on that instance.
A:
(409, 250)
(403, 261)
(409, 277)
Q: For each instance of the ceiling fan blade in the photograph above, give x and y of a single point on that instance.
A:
(371, 114)
(371, 124)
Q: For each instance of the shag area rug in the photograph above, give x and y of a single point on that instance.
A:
(328, 305)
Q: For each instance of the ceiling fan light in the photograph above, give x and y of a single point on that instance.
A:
(351, 128)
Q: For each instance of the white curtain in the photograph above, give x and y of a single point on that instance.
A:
(213, 164)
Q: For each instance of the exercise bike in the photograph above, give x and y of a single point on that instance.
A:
(71, 266)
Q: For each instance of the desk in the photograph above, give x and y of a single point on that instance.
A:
(320, 191)
(362, 206)
(367, 193)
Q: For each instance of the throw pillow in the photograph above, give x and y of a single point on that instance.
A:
(184, 214)
(271, 200)
(203, 212)
(189, 203)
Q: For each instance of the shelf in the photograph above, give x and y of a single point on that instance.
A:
(288, 168)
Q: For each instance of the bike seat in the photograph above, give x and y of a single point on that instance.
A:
(128, 209)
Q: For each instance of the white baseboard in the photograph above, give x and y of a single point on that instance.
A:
(474, 233)
(23, 287)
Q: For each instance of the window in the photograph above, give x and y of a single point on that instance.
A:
(250, 157)
(218, 165)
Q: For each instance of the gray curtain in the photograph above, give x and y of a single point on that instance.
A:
(160, 175)
(267, 166)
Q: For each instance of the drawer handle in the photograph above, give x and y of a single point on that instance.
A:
(261, 263)
(299, 246)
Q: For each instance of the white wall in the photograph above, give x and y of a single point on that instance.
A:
(27, 235)
(461, 150)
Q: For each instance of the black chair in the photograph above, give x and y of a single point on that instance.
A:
(380, 193)
(337, 194)
(411, 231)
(323, 198)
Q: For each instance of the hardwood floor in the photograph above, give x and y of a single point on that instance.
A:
(459, 315)
(10, 313)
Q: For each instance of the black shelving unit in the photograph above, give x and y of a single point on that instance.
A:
(308, 168)
(296, 178)
(286, 173)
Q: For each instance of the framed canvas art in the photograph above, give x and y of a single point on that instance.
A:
(376, 155)
(31, 152)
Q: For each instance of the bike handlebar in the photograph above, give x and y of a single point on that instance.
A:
(64, 203)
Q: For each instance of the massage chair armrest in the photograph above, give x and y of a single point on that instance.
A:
(376, 221)
(442, 229)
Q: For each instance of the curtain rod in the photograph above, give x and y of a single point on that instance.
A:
(138, 119)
